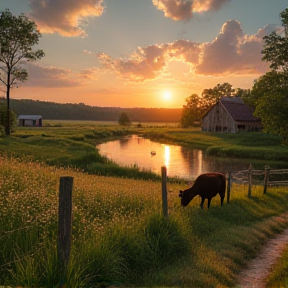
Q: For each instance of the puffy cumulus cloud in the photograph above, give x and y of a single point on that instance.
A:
(150, 62)
(185, 51)
(184, 9)
(40, 76)
(232, 52)
(208, 5)
(64, 16)
(142, 65)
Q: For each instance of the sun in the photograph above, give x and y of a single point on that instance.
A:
(167, 95)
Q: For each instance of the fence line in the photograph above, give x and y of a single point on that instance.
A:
(246, 177)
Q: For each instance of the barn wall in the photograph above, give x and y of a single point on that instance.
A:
(248, 126)
(29, 123)
(218, 120)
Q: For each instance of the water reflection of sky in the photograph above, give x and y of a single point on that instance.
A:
(180, 161)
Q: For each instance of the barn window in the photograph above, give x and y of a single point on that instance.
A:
(241, 128)
(218, 128)
(224, 129)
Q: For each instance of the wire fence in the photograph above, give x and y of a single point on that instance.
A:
(265, 178)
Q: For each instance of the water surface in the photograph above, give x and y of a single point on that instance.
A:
(180, 161)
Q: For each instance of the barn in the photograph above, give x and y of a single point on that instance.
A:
(30, 121)
(230, 114)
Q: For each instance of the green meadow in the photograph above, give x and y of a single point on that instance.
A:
(119, 236)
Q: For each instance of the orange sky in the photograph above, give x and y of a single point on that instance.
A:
(144, 53)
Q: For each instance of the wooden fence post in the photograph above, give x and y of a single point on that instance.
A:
(266, 178)
(64, 225)
(228, 187)
(164, 191)
(249, 180)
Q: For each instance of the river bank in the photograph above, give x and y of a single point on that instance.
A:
(73, 144)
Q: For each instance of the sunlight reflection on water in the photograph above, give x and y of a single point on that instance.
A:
(180, 161)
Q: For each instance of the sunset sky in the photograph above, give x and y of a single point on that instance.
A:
(144, 53)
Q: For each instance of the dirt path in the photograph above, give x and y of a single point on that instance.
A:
(260, 268)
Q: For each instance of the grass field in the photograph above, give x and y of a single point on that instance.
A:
(119, 236)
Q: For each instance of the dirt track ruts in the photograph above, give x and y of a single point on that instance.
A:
(255, 275)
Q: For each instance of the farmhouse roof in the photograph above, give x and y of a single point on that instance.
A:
(238, 110)
(29, 117)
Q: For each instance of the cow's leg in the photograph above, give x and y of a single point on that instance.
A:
(222, 199)
(209, 201)
(202, 203)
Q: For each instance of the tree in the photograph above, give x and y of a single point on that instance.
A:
(196, 106)
(270, 92)
(192, 111)
(3, 117)
(211, 96)
(18, 35)
(270, 96)
(124, 119)
(276, 46)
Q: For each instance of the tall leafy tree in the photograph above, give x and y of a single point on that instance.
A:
(211, 96)
(18, 36)
(192, 111)
(270, 95)
(275, 48)
(270, 92)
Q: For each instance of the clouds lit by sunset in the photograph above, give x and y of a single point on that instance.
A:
(130, 53)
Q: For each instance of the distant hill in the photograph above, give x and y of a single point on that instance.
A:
(57, 111)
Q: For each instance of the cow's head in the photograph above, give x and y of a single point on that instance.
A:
(183, 196)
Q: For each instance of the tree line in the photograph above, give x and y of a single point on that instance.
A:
(57, 111)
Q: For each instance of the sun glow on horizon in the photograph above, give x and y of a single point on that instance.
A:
(167, 95)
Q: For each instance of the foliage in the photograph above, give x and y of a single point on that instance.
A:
(3, 117)
(276, 46)
(270, 94)
(119, 236)
(80, 111)
(196, 106)
(192, 111)
(18, 35)
(212, 96)
(124, 119)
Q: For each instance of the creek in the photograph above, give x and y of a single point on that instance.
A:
(180, 161)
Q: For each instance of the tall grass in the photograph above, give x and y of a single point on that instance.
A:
(119, 235)
(116, 226)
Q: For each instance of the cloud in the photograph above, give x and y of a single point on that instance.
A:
(184, 9)
(88, 75)
(64, 17)
(48, 77)
(230, 53)
(144, 64)
(150, 62)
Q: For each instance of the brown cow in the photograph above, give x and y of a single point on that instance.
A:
(206, 186)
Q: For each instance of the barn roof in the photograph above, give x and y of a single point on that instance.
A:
(238, 110)
(29, 117)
